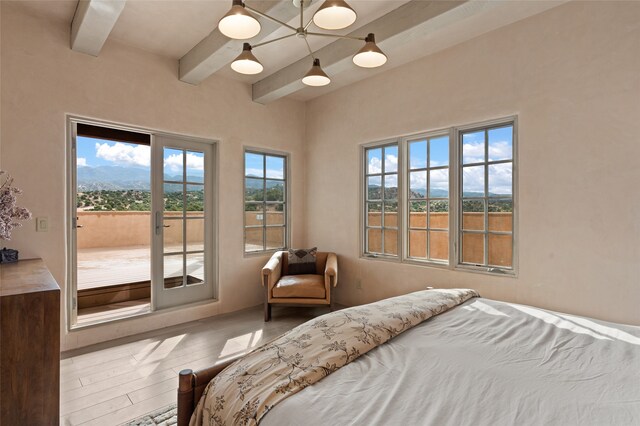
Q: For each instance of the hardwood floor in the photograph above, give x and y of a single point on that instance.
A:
(114, 382)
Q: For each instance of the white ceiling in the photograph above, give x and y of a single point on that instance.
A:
(172, 27)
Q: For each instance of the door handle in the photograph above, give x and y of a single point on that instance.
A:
(166, 226)
(79, 226)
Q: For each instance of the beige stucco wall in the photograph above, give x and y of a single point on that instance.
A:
(42, 80)
(572, 75)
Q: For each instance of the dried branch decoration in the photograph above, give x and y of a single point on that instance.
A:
(10, 213)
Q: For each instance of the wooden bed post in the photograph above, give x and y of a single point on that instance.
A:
(267, 306)
(185, 397)
(191, 385)
(331, 292)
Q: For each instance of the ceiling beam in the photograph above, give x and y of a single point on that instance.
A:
(411, 20)
(92, 24)
(217, 50)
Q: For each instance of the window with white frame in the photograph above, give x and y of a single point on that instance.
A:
(443, 198)
(265, 202)
(428, 198)
(381, 194)
(486, 198)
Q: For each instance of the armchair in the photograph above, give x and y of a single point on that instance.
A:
(307, 289)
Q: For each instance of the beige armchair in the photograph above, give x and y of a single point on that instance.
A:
(310, 289)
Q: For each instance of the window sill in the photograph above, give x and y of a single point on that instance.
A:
(385, 258)
(459, 268)
(485, 270)
(262, 253)
(410, 261)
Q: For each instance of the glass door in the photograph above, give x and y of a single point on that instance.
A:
(110, 224)
(183, 231)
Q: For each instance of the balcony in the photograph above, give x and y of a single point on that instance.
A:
(114, 250)
(114, 261)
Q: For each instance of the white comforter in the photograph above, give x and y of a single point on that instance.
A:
(483, 363)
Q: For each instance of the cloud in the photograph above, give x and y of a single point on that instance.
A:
(473, 179)
(174, 162)
(473, 152)
(391, 163)
(500, 175)
(124, 154)
(391, 166)
(391, 181)
(500, 151)
(375, 165)
(439, 179)
(500, 179)
(418, 180)
(81, 162)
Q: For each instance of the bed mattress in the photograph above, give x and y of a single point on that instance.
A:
(483, 363)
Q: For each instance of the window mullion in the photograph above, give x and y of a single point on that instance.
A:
(486, 194)
(400, 204)
(382, 198)
(264, 202)
(405, 166)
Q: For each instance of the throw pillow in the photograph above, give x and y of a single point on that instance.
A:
(302, 261)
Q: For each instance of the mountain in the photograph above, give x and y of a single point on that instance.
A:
(391, 193)
(254, 182)
(113, 178)
(119, 178)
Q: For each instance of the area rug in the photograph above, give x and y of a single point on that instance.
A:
(163, 417)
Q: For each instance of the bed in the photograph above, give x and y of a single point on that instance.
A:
(478, 362)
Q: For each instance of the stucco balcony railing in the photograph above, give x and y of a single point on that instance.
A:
(115, 247)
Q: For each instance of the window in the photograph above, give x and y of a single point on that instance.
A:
(442, 200)
(486, 171)
(381, 179)
(265, 202)
(428, 198)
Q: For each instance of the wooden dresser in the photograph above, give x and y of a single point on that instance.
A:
(29, 344)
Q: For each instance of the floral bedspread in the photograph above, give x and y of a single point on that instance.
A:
(246, 390)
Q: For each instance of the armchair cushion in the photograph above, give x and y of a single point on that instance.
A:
(302, 261)
(302, 286)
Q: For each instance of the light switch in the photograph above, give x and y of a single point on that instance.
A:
(42, 224)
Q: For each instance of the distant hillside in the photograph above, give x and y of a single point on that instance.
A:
(498, 205)
(115, 178)
(391, 193)
(137, 200)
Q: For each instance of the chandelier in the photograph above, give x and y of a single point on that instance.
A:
(239, 24)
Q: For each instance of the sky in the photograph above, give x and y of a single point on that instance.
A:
(254, 165)
(96, 152)
(93, 152)
(436, 152)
